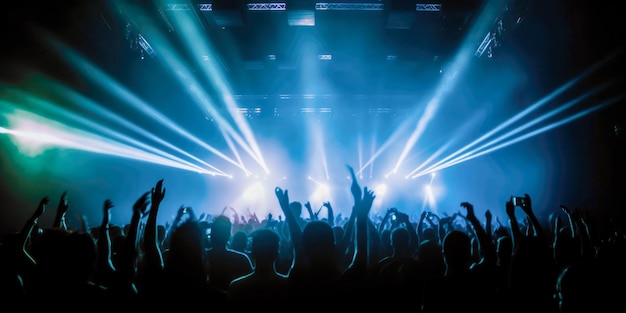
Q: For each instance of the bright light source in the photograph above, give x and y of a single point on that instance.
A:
(320, 194)
(301, 17)
(380, 190)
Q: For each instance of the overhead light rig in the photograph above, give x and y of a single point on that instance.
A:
(510, 18)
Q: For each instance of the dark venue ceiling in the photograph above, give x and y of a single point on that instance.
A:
(385, 52)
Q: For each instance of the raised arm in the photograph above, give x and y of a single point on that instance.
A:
(487, 249)
(444, 226)
(309, 209)
(24, 261)
(579, 231)
(127, 262)
(385, 220)
(330, 213)
(62, 208)
(489, 225)
(526, 205)
(516, 234)
(414, 241)
(105, 266)
(344, 244)
(587, 245)
(420, 225)
(169, 230)
(362, 203)
(361, 254)
(83, 223)
(295, 232)
(152, 250)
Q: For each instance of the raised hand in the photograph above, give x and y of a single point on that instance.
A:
(83, 222)
(106, 217)
(236, 218)
(28, 227)
(59, 219)
(446, 220)
(402, 217)
(469, 207)
(527, 207)
(158, 193)
(191, 213)
(104, 265)
(141, 205)
(283, 198)
(354, 187)
(554, 221)
(108, 204)
(63, 204)
(309, 209)
(327, 205)
(432, 216)
(182, 210)
(368, 199)
(510, 208)
(566, 210)
(41, 208)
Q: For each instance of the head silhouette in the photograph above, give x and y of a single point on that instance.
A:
(220, 231)
(457, 251)
(318, 240)
(264, 248)
(296, 208)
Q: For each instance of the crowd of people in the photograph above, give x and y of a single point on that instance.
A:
(433, 263)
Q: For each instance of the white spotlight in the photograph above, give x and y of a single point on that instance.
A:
(380, 190)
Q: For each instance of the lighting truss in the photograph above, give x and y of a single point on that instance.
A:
(272, 6)
(486, 43)
(494, 37)
(205, 7)
(428, 7)
(145, 45)
(323, 6)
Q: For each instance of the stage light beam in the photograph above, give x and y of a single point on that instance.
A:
(526, 136)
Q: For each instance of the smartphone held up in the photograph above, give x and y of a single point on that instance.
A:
(519, 201)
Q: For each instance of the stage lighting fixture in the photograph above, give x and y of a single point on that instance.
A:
(205, 6)
(270, 6)
(324, 6)
(428, 7)
(145, 45)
